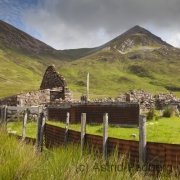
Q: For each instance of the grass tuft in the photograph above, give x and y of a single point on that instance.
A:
(168, 112)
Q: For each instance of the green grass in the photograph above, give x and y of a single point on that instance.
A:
(19, 161)
(18, 75)
(112, 73)
(106, 77)
(20, 72)
(165, 130)
(31, 128)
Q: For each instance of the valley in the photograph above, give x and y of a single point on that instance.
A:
(136, 59)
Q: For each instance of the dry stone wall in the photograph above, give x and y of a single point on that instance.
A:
(27, 99)
(147, 101)
(34, 98)
(10, 101)
(162, 100)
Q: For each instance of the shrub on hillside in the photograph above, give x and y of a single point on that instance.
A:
(168, 111)
(150, 114)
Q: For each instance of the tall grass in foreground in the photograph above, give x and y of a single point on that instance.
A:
(21, 161)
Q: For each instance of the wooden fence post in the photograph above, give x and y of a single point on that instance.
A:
(105, 135)
(5, 113)
(142, 140)
(24, 124)
(66, 130)
(2, 114)
(4, 117)
(43, 121)
(39, 124)
(87, 89)
(83, 130)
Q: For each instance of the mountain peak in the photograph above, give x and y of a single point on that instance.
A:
(137, 30)
(140, 30)
(135, 38)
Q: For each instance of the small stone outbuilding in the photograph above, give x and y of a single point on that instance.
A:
(56, 83)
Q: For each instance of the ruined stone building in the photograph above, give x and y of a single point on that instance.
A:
(53, 88)
(56, 83)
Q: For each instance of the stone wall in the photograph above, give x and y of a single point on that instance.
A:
(147, 101)
(34, 98)
(27, 99)
(10, 101)
(163, 99)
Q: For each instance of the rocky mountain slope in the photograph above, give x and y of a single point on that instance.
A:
(136, 38)
(136, 59)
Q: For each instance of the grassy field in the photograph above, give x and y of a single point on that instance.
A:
(166, 130)
(19, 161)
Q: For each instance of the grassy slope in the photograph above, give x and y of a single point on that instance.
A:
(112, 73)
(77, 53)
(21, 73)
(18, 74)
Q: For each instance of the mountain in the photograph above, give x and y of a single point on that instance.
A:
(136, 59)
(20, 41)
(135, 38)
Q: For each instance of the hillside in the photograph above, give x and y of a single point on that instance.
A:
(23, 60)
(17, 40)
(136, 59)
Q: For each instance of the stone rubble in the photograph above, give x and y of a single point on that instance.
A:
(147, 101)
(47, 96)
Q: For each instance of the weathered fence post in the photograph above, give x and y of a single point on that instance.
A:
(39, 124)
(43, 121)
(66, 130)
(2, 113)
(4, 116)
(5, 113)
(105, 135)
(142, 140)
(24, 124)
(83, 130)
(87, 88)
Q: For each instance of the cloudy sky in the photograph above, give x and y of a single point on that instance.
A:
(67, 24)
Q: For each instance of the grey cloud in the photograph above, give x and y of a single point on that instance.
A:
(89, 23)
